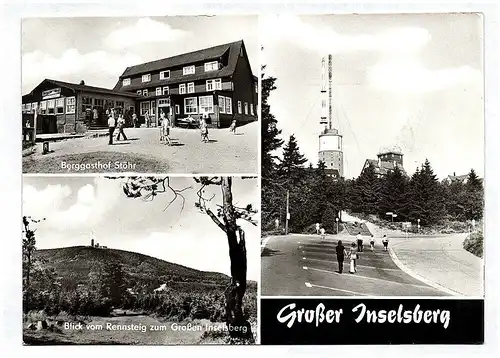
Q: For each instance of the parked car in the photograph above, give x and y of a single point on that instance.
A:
(188, 122)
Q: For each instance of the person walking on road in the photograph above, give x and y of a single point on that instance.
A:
(341, 254)
(359, 240)
(353, 255)
(372, 243)
(322, 232)
(111, 127)
(385, 242)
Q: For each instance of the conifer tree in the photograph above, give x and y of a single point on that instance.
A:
(392, 194)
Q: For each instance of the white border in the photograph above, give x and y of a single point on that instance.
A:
(10, 162)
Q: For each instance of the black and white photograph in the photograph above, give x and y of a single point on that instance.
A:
(171, 94)
(372, 155)
(131, 260)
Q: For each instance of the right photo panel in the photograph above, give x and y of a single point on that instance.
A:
(372, 179)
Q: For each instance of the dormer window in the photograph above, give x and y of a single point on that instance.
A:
(126, 82)
(182, 88)
(158, 91)
(165, 75)
(211, 66)
(188, 70)
(165, 90)
(145, 93)
(146, 78)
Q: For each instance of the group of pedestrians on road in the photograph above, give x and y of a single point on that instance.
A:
(355, 249)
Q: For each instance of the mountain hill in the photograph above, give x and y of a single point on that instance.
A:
(74, 264)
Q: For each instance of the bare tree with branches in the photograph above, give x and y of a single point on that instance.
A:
(225, 216)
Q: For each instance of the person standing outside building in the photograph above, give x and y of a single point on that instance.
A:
(322, 232)
(353, 255)
(111, 127)
(147, 119)
(166, 124)
(341, 254)
(120, 125)
(359, 240)
(134, 120)
(204, 129)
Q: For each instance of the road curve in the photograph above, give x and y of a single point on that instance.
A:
(305, 265)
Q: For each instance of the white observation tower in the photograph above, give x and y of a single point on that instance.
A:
(330, 141)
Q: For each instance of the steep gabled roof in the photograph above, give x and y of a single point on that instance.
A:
(210, 53)
(79, 87)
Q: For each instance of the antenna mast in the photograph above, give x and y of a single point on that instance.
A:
(329, 91)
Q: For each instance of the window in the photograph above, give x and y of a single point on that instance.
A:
(153, 108)
(24, 108)
(60, 106)
(145, 93)
(70, 105)
(214, 84)
(245, 106)
(28, 107)
(43, 107)
(166, 91)
(251, 109)
(207, 102)
(146, 78)
(188, 70)
(86, 104)
(164, 75)
(120, 104)
(126, 82)
(256, 88)
(239, 107)
(182, 88)
(34, 106)
(139, 92)
(144, 108)
(158, 91)
(222, 104)
(190, 105)
(229, 105)
(51, 104)
(177, 109)
(191, 87)
(163, 102)
(211, 66)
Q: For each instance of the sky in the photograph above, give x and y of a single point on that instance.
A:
(77, 209)
(414, 81)
(97, 50)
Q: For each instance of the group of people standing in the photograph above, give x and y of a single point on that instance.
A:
(115, 122)
(355, 248)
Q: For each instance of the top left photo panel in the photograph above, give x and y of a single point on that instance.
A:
(175, 94)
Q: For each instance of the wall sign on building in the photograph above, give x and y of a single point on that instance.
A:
(52, 93)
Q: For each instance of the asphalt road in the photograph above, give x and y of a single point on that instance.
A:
(304, 265)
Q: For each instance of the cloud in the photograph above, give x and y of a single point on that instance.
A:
(325, 40)
(408, 75)
(42, 203)
(144, 30)
(74, 66)
(93, 201)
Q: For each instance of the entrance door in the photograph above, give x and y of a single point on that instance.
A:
(163, 107)
(152, 112)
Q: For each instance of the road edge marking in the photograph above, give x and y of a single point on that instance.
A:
(413, 274)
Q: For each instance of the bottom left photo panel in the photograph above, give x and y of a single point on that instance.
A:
(140, 260)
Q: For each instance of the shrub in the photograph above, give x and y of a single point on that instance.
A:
(474, 243)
